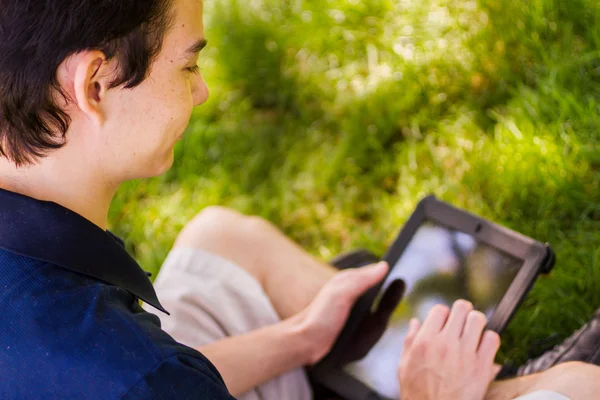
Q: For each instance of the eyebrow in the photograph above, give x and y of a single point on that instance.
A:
(196, 48)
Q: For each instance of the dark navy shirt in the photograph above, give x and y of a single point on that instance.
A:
(71, 326)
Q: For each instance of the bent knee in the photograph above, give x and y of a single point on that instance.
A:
(222, 231)
(228, 234)
(215, 216)
(213, 223)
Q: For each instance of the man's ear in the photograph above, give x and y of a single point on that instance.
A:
(85, 77)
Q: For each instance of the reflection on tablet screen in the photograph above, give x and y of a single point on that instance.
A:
(439, 266)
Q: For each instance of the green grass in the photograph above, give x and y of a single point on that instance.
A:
(332, 119)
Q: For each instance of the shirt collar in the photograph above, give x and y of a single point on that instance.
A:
(49, 232)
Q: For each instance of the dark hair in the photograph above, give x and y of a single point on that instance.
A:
(37, 36)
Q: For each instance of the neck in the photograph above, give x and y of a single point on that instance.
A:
(80, 189)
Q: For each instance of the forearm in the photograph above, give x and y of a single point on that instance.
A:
(249, 360)
(510, 388)
(573, 379)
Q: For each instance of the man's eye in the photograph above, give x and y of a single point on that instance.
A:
(194, 70)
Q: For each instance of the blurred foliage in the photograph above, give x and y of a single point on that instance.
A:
(332, 119)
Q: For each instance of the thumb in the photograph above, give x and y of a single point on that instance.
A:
(366, 277)
(352, 283)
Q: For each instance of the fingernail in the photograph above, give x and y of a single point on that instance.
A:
(413, 324)
(377, 267)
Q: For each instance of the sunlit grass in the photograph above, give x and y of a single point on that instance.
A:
(333, 118)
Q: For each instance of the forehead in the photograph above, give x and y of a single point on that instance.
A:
(188, 11)
(187, 24)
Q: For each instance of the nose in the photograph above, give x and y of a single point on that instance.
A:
(201, 91)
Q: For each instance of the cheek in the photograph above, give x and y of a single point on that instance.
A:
(156, 111)
(182, 99)
(171, 111)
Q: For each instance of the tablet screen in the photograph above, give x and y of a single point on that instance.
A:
(439, 265)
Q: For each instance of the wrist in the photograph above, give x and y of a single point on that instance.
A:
(301, 339)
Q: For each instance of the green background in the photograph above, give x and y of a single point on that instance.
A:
(332, 119)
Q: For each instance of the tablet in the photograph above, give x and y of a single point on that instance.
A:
(443, 254)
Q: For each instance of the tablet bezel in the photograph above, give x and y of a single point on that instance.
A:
(536, 258)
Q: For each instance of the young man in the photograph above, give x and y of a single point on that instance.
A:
(94, 93)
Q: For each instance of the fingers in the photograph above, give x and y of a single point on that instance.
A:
(462, 322)
(456, 321)
(435, 320)
(474, 326)
(468, 324)
(495, 371)
(490, 343)
(413, 329)
(444, 355)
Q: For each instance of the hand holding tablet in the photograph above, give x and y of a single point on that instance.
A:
(373, 325)
(442, 254)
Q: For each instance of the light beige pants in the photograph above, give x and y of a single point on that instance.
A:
(211, 298)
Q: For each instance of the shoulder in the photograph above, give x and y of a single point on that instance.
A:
(71, 336)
